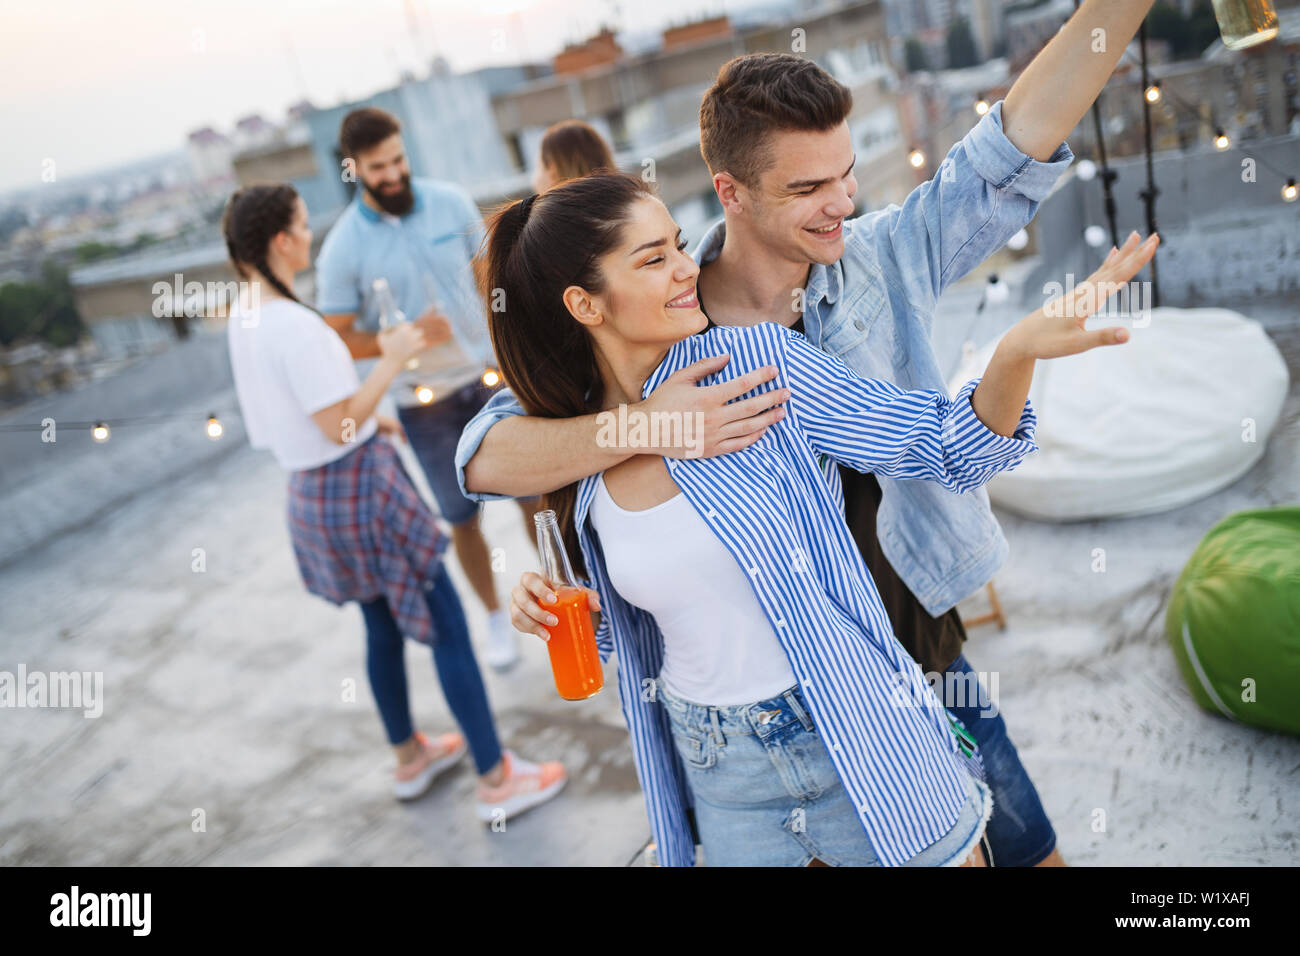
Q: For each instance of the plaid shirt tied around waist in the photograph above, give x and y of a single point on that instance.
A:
(360, 530)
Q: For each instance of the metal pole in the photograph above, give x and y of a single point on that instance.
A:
(1149, 194)
(1108, 175)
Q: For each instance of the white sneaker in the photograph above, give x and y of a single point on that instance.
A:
(524, 785)
(503, 640)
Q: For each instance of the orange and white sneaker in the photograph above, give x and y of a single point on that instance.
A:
(525, 785)
(411, 780)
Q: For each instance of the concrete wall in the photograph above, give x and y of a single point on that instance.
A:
(49, 488)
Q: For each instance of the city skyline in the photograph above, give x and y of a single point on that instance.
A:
(103, 105)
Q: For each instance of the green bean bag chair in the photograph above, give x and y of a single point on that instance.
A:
(1234, 619)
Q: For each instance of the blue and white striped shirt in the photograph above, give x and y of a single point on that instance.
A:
(775, 510)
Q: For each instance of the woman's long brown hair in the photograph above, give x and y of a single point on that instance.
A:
(531, 256)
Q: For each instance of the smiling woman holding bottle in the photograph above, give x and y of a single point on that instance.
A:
(758, 671)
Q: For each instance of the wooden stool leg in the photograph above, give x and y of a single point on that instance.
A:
(994, 615)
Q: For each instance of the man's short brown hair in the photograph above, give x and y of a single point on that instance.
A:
(365, 128)
(763, 93)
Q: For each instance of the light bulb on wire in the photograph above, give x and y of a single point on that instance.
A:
(1085, 169)
(423, 394)
(996, 291)
(981, 106)
(100, 432)
(491, 377)
(214, 428)
(1153, 93)
(1289, 192)
(916, 158)
(1094, 236)
(1221, 141)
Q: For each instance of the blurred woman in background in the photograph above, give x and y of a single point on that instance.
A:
(360, 531)
(570, 149)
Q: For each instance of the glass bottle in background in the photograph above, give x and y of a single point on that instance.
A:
(389, 313)
(1245, 23)
(575, 662)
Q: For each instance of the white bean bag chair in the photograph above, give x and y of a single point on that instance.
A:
(1180, 410)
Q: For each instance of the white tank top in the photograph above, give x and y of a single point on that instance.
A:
(719, 647)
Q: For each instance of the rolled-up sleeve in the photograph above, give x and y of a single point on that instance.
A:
(872, 425)
(501, 405)
(1001, 164)
(973, 452)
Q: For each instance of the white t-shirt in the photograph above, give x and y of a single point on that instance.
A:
(719, 648)
(288, 364)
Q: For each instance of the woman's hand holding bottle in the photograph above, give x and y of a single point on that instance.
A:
(402, 342)
(526, 599)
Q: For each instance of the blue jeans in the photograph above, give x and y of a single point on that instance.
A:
(453, 658)
(1019, 832)
(766, 792)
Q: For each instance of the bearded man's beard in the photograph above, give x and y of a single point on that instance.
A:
(395, 204)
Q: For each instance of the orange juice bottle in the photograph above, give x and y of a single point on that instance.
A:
(575, 663)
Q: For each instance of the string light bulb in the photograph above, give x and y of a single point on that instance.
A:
(996, 291)
(981, 106)
(491, 377)
(1094, 236)
(1153, 93)
(1018, 241)
(100, 432)
(916, 158)
(215, 428)
(423, 394)
(1086, 170)
(1221, 141)
(1289, 192)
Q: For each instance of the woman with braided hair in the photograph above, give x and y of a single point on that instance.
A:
(359, 529)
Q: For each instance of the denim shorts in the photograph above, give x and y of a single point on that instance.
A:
(766, 792)
(434, 431)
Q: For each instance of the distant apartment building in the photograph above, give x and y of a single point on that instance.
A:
(210, 154)
(647, 104)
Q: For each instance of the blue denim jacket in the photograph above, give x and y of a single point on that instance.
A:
(874, 310)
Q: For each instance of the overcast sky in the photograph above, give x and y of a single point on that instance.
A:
(90, 83)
